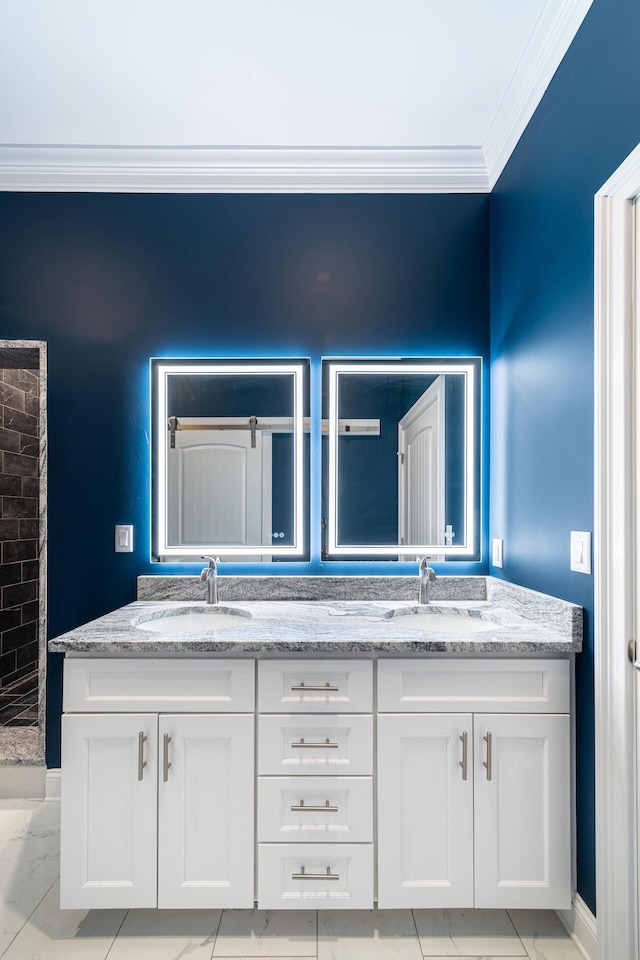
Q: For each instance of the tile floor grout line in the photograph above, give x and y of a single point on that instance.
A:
(526, 952)
(26, 919)
(215, 939)
(117, 934)
(317, 934)
(415, 924)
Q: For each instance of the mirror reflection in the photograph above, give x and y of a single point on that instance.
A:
(230, 458)
(402, 473)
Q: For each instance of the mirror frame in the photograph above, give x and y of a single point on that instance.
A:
(471, 368)
(161, 369)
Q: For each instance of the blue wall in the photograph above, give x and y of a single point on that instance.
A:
(542, 335)
(111, 280)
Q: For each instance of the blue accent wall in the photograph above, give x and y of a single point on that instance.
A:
(111, 280)
(542, 335)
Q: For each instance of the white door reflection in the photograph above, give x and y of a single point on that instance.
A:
(219, 488)
(421, 470)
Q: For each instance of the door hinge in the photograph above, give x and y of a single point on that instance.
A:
(401, 458)
(632, 650)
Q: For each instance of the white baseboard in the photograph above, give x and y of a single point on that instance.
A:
(581, 926)
(53, 782)
(22, 781)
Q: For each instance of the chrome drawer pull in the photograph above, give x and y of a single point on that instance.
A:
(313, 743)
(314, 808)
(465, 755)
(487, 763)
(141, 760)
(165, 759)
(316, 688)
(315, 876)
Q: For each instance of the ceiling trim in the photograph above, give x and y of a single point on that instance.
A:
(203, 169)
(242, 169)
(542, 56)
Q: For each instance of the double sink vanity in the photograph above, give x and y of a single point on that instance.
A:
(336, 745)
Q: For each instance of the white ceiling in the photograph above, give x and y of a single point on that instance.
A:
(398, 95)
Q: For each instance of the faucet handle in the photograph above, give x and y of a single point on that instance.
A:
(426, 569)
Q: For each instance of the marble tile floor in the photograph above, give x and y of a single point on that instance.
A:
(32, 926)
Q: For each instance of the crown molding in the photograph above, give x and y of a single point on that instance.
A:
(242, 169)
(547, 45)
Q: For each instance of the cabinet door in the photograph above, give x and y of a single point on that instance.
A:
(425, 811)
(109, 804)
(522, 811)
(205, 810)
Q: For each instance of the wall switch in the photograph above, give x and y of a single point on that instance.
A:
(496, 552)
(124, 538)
(581, 551)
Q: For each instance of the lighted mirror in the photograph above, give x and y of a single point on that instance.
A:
(402, 465)
(231, 450)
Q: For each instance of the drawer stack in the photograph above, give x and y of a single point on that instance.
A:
(315, 784)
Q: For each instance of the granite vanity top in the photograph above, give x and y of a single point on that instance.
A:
(523, 622)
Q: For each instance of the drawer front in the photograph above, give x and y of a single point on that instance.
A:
(479, 686)
(316, 686)
(154, 686)
(315, 810)
(315, 745)
(302, 876)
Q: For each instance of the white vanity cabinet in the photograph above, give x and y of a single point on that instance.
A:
(420, 782)
(474, 806)
(157, 807)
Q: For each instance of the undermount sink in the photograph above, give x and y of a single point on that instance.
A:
(435, 622)
(187, 620)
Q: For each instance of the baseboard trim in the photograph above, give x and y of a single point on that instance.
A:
(53, 782)
(22, 781)
(581, 925)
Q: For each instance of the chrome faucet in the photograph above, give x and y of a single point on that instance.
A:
(210, 576)
(427, 576)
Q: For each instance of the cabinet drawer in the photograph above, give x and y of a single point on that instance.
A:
(155, 686)
(498, 686)
(312, 745)
(315, 809)
(303, 876)
(320, 686)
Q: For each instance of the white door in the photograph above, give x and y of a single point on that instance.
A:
(522, 811)
(219, 489)
(421, 469)
(425, 810)
(205, 811)
(109, 801)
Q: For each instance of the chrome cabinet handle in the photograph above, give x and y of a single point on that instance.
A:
(141, 760)
(313, 743)
(465, 754)
(314, 808)
(166, 740)
(315, 876)
(315, 688)
(487, 763)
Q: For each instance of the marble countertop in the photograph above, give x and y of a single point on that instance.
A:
(337, 626)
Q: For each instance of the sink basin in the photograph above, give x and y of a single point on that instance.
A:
(188, 620)
(433, 622)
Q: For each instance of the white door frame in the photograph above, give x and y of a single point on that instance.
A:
(616, 475)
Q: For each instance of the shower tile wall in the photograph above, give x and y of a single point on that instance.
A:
(19, 537)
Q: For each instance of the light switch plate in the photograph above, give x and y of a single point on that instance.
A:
(581, 551)
(124, 538)
(496, 552)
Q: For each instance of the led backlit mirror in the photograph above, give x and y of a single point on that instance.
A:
(402, 474)
(231, 448)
